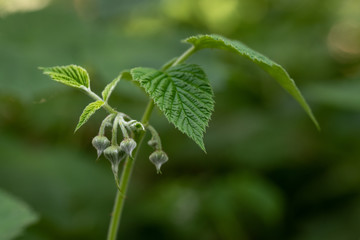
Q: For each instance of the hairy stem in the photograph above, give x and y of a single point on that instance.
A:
(123, 129)
(104, 123)
(94, 96)
(155, 136)
(117, 181)
(114, 131)
(129, 162)
(125, 177)
(184, 56)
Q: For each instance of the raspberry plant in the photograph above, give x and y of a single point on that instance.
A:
(180, 90)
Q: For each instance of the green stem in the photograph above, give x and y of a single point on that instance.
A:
(114, 131)
(116, 177)
(184, 56)
(94, 96)
(129, 162)
(123, 130)
(125, 177)
(147, 113)
(103, 124)
(155, 136)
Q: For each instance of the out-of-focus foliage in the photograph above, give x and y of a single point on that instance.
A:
(267, 174)
(15, 215)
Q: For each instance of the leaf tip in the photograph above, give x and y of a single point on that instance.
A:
(201, 144)
(204, 150)
(43, 69)
(77, 128)
(312, 116)
(317, 125)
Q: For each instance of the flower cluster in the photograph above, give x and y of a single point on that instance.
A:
(115, 152)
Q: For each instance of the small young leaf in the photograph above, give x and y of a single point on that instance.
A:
(274, 69)
(71, 75)
(88, 112)
(109, 88)
(183, 94)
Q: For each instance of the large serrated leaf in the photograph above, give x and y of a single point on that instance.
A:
(274, 69)
(88, 112)
(183, 94)
(71, 75)
(15, 216)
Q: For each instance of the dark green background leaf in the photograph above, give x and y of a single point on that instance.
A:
(15, 216)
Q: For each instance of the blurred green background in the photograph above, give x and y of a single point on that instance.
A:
(267, 174)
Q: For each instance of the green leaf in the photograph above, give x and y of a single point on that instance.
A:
(109, 88)
(88, 112)
(71, 75)
(183, 94)
(15, 216)
(274, 69)
(125, 74)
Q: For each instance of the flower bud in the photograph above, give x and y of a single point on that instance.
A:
(113, 154)
(100, 143)
(128, 145)
(158, 158)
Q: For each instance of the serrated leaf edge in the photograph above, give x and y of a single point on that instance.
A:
(260, 59)
(88, 111)
(106, 93)
(48, 72)
(203, 126)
